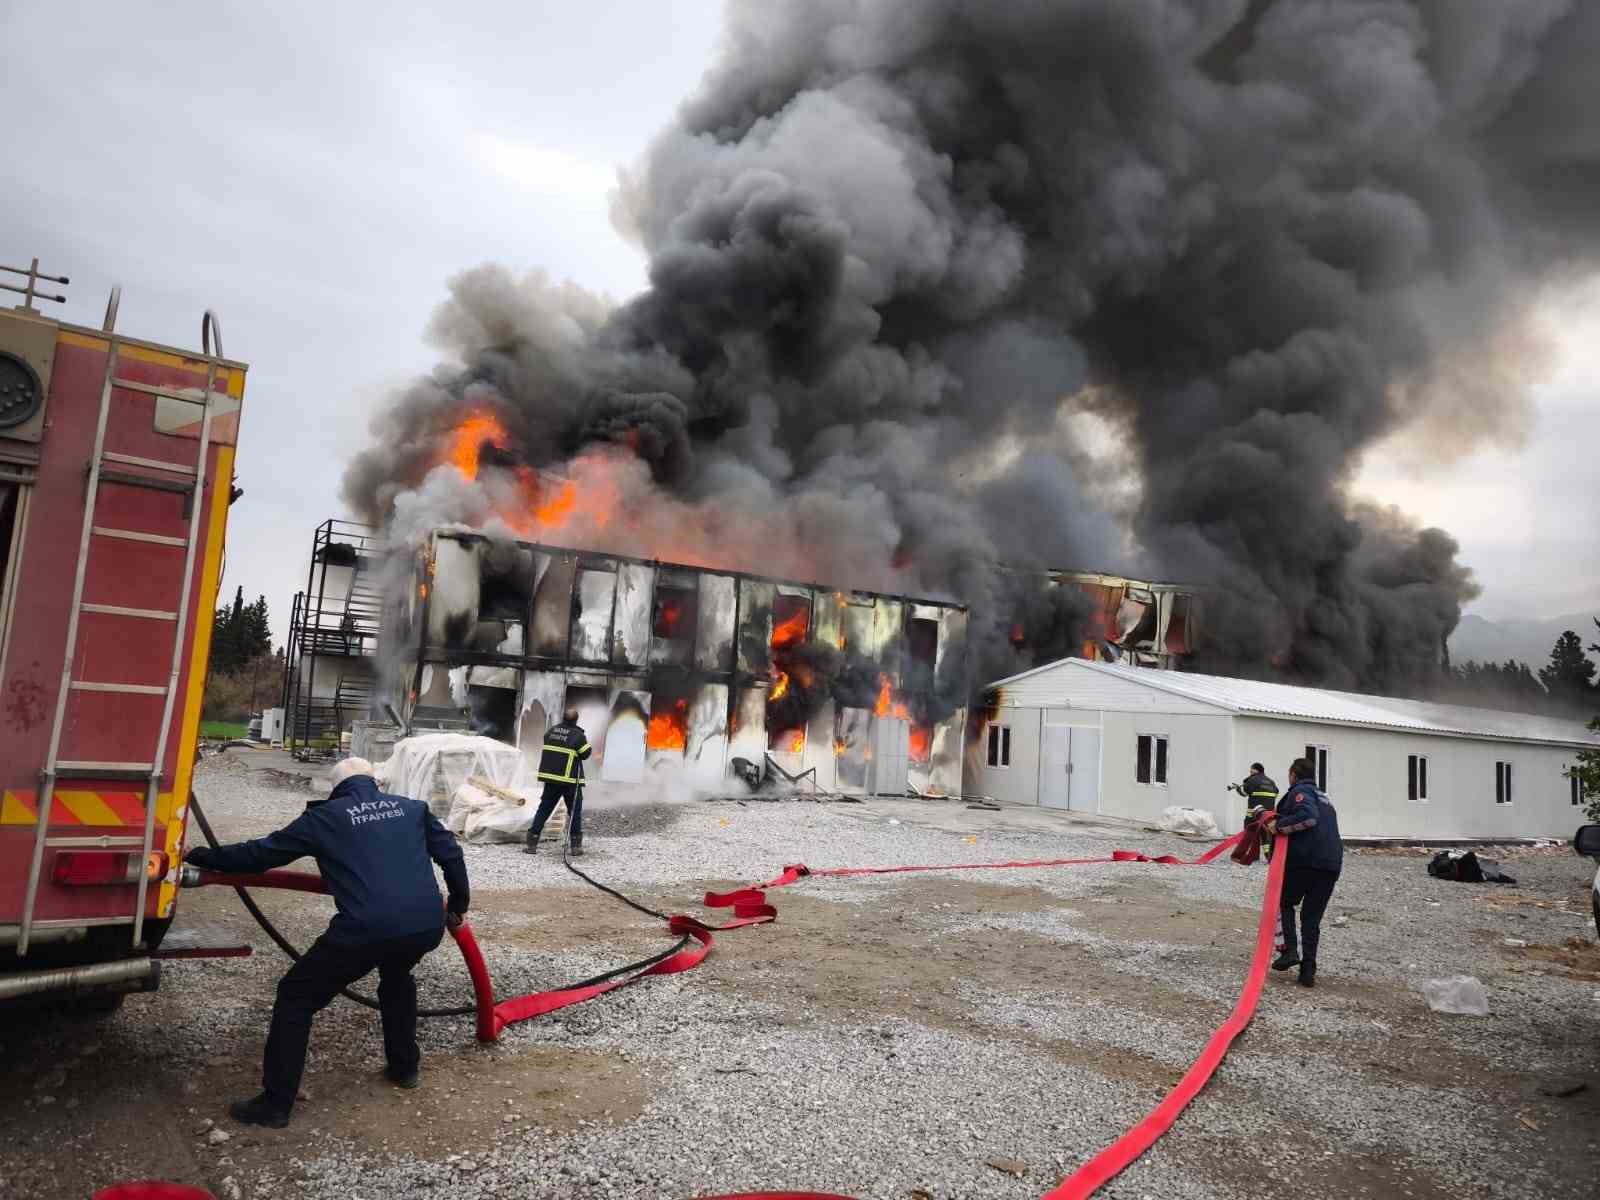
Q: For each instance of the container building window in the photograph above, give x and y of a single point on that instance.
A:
(1502, 783)
(1151, 767)
(999, 745)
(1417, 777)
(1317, 756)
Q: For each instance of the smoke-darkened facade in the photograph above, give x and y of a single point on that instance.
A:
(857, 691)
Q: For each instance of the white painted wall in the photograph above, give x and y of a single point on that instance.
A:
(1367, 780)
(1197, 766)
(1018, 783)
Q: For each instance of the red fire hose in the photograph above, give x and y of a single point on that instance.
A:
(751, 907)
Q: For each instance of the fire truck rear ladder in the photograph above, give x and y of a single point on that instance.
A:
(191, 482)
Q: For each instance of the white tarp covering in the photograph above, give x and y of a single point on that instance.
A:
(479, 815)
(1196, 822)
(431, 766)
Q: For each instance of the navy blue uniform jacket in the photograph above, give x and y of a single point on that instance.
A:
(374, 852)
(1308, 817)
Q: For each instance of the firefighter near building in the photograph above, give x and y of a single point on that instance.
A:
(116, 475)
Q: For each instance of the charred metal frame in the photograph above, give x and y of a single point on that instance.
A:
(734, 667)
(333, 627)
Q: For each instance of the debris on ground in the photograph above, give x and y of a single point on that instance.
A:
(1461, 995)
(1466, 868)
(1007, 1166)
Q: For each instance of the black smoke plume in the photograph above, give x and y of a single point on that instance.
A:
(939, 285)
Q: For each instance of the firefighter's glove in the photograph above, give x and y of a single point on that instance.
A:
(454, 919)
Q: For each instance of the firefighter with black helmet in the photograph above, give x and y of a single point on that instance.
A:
(561, 768)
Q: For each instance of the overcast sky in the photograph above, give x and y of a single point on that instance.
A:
(315, 173)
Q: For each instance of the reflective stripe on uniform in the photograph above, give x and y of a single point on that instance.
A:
(567, 776)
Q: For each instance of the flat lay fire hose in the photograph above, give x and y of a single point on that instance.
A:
(750, 906)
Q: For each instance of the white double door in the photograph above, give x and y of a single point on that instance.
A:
(1069, 768)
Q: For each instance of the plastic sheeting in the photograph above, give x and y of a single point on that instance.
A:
(1196, 822)
(480, 816)
(431, 766)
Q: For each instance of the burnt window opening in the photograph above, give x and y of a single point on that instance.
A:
(668, 728)
(922, 642)
(675, 608)
(791, 741)
(494, 712)
(504, 593)
(791, 620)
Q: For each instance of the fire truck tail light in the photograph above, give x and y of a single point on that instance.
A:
(90, 867)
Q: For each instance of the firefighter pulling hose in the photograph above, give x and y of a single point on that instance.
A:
(375, 852)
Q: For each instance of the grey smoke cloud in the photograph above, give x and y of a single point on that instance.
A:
(889, 242)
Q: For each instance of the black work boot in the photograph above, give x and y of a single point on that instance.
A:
(576, 850)
(404, 1077)
(531, 847)
(1289, 958)
(1308, 974)
(259, 1110)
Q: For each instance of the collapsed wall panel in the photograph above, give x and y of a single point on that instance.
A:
(715, 628)
(624, 757)
(453, 604)
(853, 743)
(552, 606)
(542, 696)
(748, 738)
(755, 626)
(821, 752)
(630, 634)
(591, 628)
(706, 751)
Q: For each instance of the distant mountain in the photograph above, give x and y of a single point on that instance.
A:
(1526, 641)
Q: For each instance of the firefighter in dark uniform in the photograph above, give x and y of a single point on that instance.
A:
(561, 769)
(1316, 857)
(376, 853)
(1258, 789)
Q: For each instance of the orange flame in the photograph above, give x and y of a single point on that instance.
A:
(887, 705)
(779, 689)
(797, 743)
(921, 742)
(839, 747)
(791, 631)
(479, 428)
(669, 730)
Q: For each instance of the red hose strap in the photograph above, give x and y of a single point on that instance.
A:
(1105, 1165)
(482, 985)
(537, 1004)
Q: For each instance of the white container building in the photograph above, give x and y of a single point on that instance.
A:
(1113, 740)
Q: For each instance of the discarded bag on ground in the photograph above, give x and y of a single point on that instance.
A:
(1466, 868)
(1461, 995)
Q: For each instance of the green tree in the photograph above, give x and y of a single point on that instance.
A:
(241, 635)
(1570, 676)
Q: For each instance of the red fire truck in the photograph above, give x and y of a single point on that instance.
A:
(116, 473)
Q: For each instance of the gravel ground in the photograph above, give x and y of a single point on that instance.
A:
(889, 1036)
